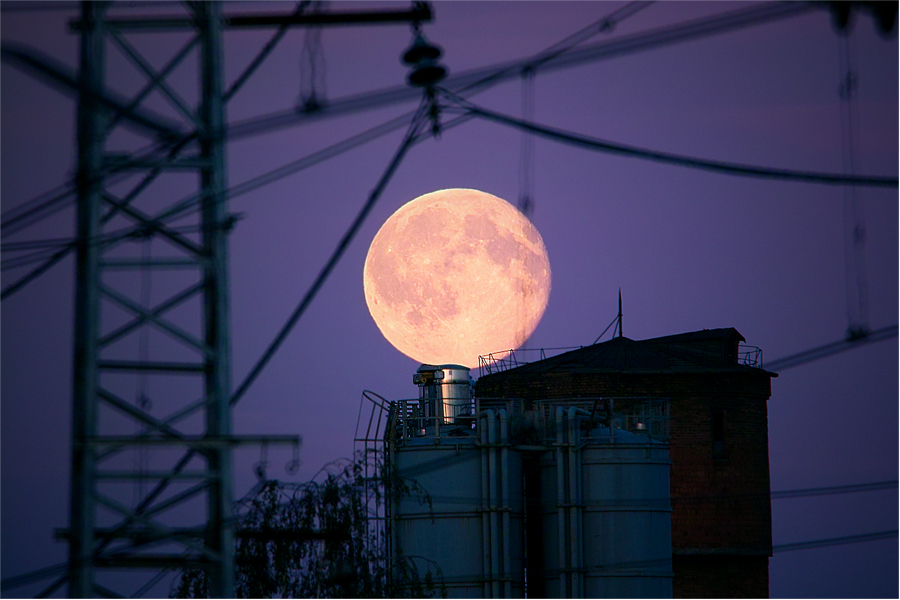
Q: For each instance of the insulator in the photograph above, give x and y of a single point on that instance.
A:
(427, 74)
(841, 15)
(885, 15)
(420, 51)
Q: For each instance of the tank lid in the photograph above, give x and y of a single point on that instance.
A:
(620, 436)
(430, 374)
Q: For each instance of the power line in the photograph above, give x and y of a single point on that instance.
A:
(410, 138)
(34, 244)
(607, 23)
(47, 572)
(550, 59)
(836, 489)
(800, 358)
(9, 217)
(266, 50)
(64, 5)
(600, 145)
(837, 541)
(50, 202)
(191, 202)
(143, 120)
(486, 77)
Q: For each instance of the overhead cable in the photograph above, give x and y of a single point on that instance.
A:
(800, 358)
(531, 65)
(836, 489)
(597, 144)
(485, 77)
(192, 202)
(266, 50)
(482, 78)
(66, 79)
(52, 201)
(408, 140)
(38, 209)
(17, 581)
(35, 273)
(837, 541)
(17, 262)
(48, 198)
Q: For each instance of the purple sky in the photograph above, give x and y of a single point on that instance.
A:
(689, 249)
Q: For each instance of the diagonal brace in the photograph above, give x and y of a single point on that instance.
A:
(155, 312)
(154, 224)
(177, 332)
(157, 79)
(138, 414)
(152, 524)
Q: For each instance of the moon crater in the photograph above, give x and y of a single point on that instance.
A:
(455, 274)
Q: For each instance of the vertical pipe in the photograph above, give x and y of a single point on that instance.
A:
(438, 410)
(91, 126)
(495, 525)
(391, 496)
(485, 505)
(611, 412)
(403, 409)
(574, 499)
(560, 504)
(506, 572)
(579, 495)
(214, 212)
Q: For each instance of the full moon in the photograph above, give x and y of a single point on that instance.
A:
(455, 274)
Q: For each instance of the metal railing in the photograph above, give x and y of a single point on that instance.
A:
(642, 415)
(504, 360)
(750, 356)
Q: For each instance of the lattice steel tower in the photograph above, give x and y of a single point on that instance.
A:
(192, 274)
(152, 287)
(99, 439)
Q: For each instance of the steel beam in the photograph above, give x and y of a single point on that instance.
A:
(419, 13)
(142, 120)
(87, 301)
(213, 210)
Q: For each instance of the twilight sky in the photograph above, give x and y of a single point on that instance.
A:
(689, 249)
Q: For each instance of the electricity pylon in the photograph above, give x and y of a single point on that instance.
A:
(152, 275)
(97, 444)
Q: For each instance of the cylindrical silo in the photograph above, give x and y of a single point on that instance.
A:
(445, 391)
(444, 530)
(470, 527)
(605, 522)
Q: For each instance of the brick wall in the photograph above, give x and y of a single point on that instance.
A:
(720, 506)
(720, 577)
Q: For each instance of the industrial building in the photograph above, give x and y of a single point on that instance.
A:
(622, 469)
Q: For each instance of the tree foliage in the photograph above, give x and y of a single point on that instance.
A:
(320, 539)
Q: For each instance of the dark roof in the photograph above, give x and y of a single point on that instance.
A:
(698, 351)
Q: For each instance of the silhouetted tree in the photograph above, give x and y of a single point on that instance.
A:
(319, 539)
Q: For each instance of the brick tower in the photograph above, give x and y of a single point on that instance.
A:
(718, 436)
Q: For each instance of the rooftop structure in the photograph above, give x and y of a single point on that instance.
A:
(718, 436)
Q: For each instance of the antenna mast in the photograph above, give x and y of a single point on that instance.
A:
(620, 312)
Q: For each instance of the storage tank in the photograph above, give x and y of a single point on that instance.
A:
(471, 526)
(606, 513)
(445, 391)
(447, 532)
